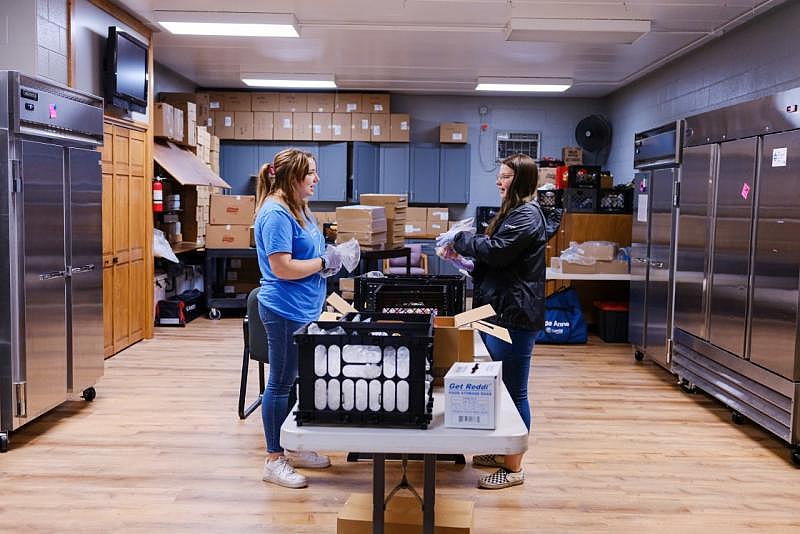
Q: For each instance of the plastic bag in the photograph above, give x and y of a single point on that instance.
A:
(574, 254)
(444, 245)
(161, 248)
(447, 237)
(350, 251)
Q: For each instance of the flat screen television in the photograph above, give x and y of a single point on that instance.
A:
(125, 71)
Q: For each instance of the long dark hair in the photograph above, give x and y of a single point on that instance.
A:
(288, 169)
(521, 190)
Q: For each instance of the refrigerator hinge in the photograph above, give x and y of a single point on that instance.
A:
(21, 405)
(16, 176)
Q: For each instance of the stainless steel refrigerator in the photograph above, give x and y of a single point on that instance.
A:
(51, 291)
(657, 157)
(737, 264)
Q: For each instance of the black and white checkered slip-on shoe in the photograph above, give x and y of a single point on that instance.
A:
(502, 478)
(488, 460)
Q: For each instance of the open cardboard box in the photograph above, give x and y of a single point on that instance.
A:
(403, 515)
(453, 338)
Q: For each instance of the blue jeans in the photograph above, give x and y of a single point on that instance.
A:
(516, 358)
(282, 374)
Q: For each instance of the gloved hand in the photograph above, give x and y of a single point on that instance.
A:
(333, 262)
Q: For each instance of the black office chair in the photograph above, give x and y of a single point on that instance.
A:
(255, 348)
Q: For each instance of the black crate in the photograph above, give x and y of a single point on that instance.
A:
(551, 198)
(324, 380)
(483, 216)
(401, 293)
(580, 200)
(615, 200)
(612, 321)
(583, 176)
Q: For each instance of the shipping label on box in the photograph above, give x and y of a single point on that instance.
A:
(232, 209)
(347, 103)
(399, 127)
(452, 132)
(265, 102)
(224, 124)
(472, 395)
(379, 127)
(375, 103)
(341, 126)
(438, 214)
(360, 130)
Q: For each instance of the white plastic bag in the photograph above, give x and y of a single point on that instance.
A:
(161, 248)
(350, 251)
(444, 245)
(574, 254)
(461, 226)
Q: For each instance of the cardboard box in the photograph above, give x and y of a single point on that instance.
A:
(263, 125)
(229, 101)
(232, 209)
(341, 126)
(612, 267)
(321, 127)
(177, 125)
(416, 229)
(227, 236)
(215, 143)
(360, 130)
(347, 103)
(265, 102)
(572, 155)
(399, 127)
(321, 102)
(472, 395)
(403, 515)
(375, 103)
(294, 102)
(452, 132)
(438, 214)
(283, 126)
(394, 205)
(243, 125)
(224, 124)
(577, 268)
(434, 228)
(379, 127)
(599, 250)
(164, 120)
(200, 101)
(347, 284)
(361, 219)
(302, 126)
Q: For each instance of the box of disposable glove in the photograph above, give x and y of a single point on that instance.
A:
(472, 395)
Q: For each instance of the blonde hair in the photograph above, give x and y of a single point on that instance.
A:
(289, 168)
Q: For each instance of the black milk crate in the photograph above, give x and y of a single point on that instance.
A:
(615, 200)
(550, 198)
(583, 176)
(341, 385)
(401, 293)
(580, 200)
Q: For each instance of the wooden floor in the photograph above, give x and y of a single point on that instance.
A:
(616, 447)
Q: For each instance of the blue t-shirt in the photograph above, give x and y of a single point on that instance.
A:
(276, 230)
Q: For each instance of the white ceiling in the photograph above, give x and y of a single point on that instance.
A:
(441, 46)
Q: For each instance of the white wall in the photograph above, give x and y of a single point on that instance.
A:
(756, 59)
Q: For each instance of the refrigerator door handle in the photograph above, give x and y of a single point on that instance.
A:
(52, 274)
(83, 269)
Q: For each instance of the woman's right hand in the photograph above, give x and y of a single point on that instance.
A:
(333, 262)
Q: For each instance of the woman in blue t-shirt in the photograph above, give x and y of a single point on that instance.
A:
(293, 261)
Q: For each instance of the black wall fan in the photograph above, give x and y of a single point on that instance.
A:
(593, 135)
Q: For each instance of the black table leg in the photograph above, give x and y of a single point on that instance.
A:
(378, 486)
(429, 497)
(408, 261)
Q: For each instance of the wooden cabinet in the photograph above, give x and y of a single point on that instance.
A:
(126, 223)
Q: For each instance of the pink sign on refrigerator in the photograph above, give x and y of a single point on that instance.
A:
(745, 190)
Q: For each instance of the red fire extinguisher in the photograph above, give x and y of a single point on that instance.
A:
(158, 196)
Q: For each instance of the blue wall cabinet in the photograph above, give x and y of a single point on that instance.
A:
(424, 179)
(332, 167)
(454, 174)
(366, 159)
(394, 168)
(238, 162)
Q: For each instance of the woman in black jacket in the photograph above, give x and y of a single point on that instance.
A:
(509, 274)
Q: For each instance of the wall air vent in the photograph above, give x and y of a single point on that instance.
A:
(509, 143)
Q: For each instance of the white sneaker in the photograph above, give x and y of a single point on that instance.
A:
(307, 459)
(279, 472)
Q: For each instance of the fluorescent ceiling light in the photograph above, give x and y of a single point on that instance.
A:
(523, 85)
(589, 31)
(228, 23)
(290, 81)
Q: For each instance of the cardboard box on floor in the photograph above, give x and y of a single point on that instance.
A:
(403, 515)
(453, 338)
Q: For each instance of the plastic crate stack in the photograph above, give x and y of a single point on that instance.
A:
(443, 295)
(368, 369)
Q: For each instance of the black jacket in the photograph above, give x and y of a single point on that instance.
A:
(509, 269)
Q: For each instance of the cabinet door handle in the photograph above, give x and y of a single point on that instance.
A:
(114, 259)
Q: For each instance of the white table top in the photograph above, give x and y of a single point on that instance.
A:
(557, 275)
(510, 436)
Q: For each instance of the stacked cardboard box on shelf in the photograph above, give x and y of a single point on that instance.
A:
(196, 213)
(437, 221)
(367, 224)
(396, 207)
(230, 217)
(416, 222)
(214, 154)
